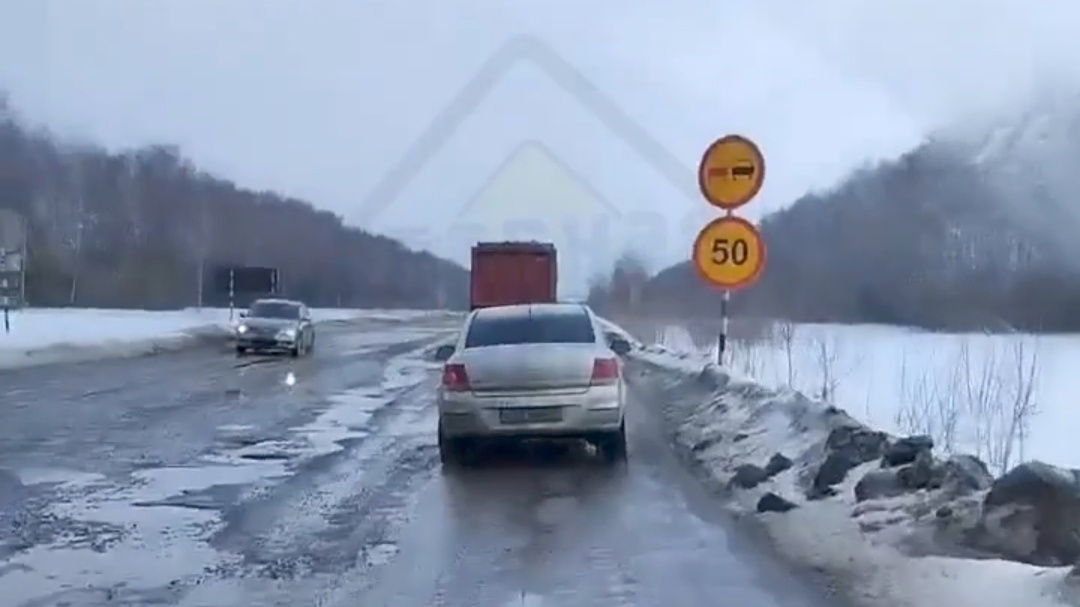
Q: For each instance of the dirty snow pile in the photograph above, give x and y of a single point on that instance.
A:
(44, 335)
(884, 516)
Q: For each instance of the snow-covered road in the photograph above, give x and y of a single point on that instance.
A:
(199, 479)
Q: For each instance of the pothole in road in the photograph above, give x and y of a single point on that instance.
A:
(259, 457)
(377, 554)
(215, 497)
(528, 600)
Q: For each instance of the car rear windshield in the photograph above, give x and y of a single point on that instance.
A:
(274, 310)
(538, 329)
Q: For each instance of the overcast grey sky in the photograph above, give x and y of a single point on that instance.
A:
(321, 98)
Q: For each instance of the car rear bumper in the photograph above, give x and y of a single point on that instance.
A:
(597, 411)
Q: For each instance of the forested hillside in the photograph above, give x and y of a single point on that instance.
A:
(930, 240)
(137, 228)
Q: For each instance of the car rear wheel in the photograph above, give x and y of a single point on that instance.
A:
(613, 445)
(454, 451)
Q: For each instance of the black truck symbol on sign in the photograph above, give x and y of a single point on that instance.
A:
(743, 169)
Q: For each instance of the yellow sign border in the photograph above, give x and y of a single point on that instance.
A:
(761, 249)
(759, 178)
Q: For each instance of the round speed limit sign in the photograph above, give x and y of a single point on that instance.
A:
(729, 252)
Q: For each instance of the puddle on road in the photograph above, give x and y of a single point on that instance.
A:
(166, 516)
(407, 371)
(157, 545)
(377, 554)
(528, 600)
(58, 476)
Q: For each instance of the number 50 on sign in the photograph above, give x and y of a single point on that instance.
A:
(729, 252)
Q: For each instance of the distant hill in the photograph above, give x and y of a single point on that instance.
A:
(136, 228)
(960, 233)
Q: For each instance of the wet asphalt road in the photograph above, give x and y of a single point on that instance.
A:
(198, 479)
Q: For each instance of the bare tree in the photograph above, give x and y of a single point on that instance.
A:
(1022, 377)
(999, 398)
(930, 405)
(786, 331)
(982, 397)
(833, 364)
(948, 409)
(827, 354)
(78, 189)
(748, 356)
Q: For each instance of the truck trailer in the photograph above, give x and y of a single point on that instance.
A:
(506, 273)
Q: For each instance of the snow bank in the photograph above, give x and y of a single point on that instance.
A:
(41, 336)
(796, 464)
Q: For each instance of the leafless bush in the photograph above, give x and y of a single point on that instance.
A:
(990, 393)
(827, 354)
(748, 356)
(982, 395)
(1025, 377)
(1001, 401)
(931, 406)
(786, 332)
(833, 364)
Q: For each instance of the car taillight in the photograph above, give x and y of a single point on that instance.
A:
(605, 371)
(454, 378)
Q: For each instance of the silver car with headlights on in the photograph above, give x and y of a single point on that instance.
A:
(280, 325)
(531, 371)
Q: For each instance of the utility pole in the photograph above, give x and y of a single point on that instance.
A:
(203, 245)
(80, 218)
(3, 284)
(24, 261)
(78, 257)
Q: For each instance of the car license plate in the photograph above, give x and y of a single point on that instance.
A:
(530, 415)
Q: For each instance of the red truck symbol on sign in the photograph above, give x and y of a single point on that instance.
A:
(744, 169)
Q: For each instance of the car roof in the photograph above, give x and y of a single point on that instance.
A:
(275, 300)
(535, 309)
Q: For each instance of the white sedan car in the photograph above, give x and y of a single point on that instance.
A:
(276, 325)
(532, 371)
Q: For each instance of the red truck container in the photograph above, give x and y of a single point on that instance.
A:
(505, 273)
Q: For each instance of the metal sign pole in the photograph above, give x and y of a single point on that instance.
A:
(232, 291)
(722, 342)
(22, 263)
(6, 298)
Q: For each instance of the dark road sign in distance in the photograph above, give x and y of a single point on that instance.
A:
(246, 279)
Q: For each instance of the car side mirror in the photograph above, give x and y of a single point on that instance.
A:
(620, 346)
(243, 314)
(444, 352)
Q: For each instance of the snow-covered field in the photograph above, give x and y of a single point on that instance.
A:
(887, 376)
(895, 522)
(40, 335)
